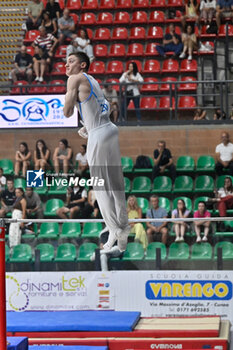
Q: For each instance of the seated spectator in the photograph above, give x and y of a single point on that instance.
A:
(224, 155)
(200, 225)
(224, 197)
(171, 43)
(53, 8)
(62, 157)
(19, 212)
(81, 44)
(135, 212)
(156, 230)
(41, 155)
(191, 12)
(81, 158)
(162, 161)
(219, 114)
(35, 9)
(41, 63)
(49, 24)
(224, 9)
(8, 198)
(208, 9)
(189, 41)
(33, 204)
(22, 159)
(180, 227)
(75, 200)
(66, 27)
(132, 92)
(2, 180)
(111, 96)
(91, 207)
(23, 65)
(46, 40)
(199, 114)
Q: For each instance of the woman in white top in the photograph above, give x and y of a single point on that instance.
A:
(208, 9)
(81, 44)
(132, 92)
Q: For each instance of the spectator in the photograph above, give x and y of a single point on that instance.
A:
(219, 114)
(111, 96)
(33, 204)
(171, 43)
(75, 200)
(66, 27)
(224, 155)
(199, 114)
(208, 9)
(19, 212)
(224, 9)
(35, 9)
(224, 197)
(81, 44)
(46, 41)
(189, 41)
(62, 156)
(8, 198)
(180, 227)
(162, 161)
(49, 24)
(156, 230)
(41, 63)
(81, 158)
(191, 12)
(135, 212)
(41, 155)
(23, 65)
(91, 206)
(22, 159)
(2, 180)
(132, 92)
(200, 225)
(53, 8)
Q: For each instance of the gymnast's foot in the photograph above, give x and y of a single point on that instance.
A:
(110, 242)
(123, 238)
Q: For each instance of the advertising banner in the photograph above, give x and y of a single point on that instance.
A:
(34, 111)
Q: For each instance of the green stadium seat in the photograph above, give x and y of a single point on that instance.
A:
(71, 230)
(7, 253)
(201, 251)
(127, 185)
(21, 253)
(162, 184)
(92, 229)
(178, 251)
(220, 180)
(59, 189)
(151, 251)
(183, 184)
(201, 199)
(46, 252)
(145, 170)
(188, 203)
(185, 164)
(165, 203)
(127, 164)
(205, 164)
(48, 230)
(204, 184)
(66, 252)
(141, 184)
(228, 232)
(227, 250)
(52, 205)
(20, 183)
(41, 190)
(7, 166)
(134, 251)
(86, 250)
(143, 203)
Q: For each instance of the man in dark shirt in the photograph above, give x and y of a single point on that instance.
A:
(23, 65)
(162, 161)
(53, 8)
(171, 43)
(75, 201)
(8, 198)
(224, 9)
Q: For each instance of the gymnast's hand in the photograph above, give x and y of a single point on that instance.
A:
(83, 132)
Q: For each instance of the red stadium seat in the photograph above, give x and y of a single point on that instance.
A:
(123, 4)
(135, 50)
(107, 4)
(100, 50)
(187, 84)
(74, 5)
(187, 66)
(58, 89)
(16, 90)
(187, 102)
(156, 17)
(97, 67)
(204, 34)
(122, 17)
(138, 63)
(165, 102)
(120, 33)
(37, 89)
(102, 34)
(104, 18)
(168, 85)
(61, 51)
(157, 3)
(148, 103)
(88, 19)
(155, 32)
(30, 50)
(75, 18)
(139, 17)
(170, 66)
(117, 50)
(141, 4)
(115, 67)
(90, 5)
(175, 3)
(223, 30)
(90, 33)
(62, 4)
(59, 68)
(148, 87)
(114, 80)
(177, 30)
(151, 49)
(151, 66)
(30, 36)
(137, 33)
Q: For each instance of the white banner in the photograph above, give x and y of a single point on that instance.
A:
(33, 111)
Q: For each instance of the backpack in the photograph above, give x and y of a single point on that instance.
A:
(143, 162)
